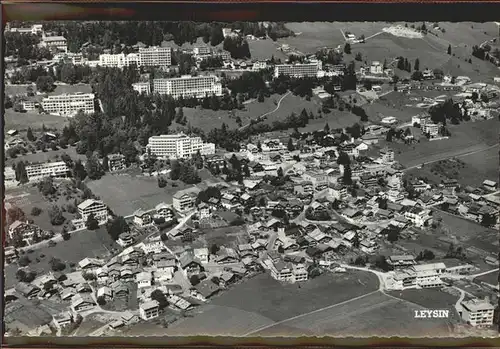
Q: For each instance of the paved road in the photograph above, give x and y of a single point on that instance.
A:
(453, 156)
(270, 112)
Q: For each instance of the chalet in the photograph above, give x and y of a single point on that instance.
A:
(189, 264)
(127, 317)
(164, 211)
(143, 218)
(401, 261)
(227, 255)
(206, 289)
(450, 183)
(230, 201)
(201, 254)
(27, 290)
(318, 236)
(83, 288)
(116, 162)
(490, 185)
(90, 264)
(10, 254)
(82, 302)
(105, 292)
(125, 239)
(163, 256)
(62, 320)
(318, 208)
(26, 231)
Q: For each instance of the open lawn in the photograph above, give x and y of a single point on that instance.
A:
(209, 119)
(465, 138)
(459, 226)
(335, 119)
(491, 278)
(482, 166)
(373, 315)
(25, 315)
(382, 108)
(114, 189)
(49, 155)
(28, 197)
(265, 49)
(272, 299)
(431, 298)
(86, 243)
(216, 320)
(21, 121)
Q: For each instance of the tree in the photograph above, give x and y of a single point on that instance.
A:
(392, 235)
(358, 57)
(281, 250)
(35, 211)
(56, 216)
(101, 300)
(347, 48)
(65, 235)
(194, 279)
(46, 186)
(15, 214)
(57, 265)
(162, 182)
(347, 176)
(92, 223)
(381, 263)
(45, 84)
(21, 174)
(355, 241)
(488, 220)
(29, 135)
(93, 167)
(290, 145)
(280, 172)
(24, 261)
(326, 129)
(116, 227)
(214, 249)
(159, 296)
(79, 171)
(449, 49)
(417, 64)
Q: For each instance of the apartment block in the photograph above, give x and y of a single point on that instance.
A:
(119, 60)
(149, 310)
(96, 207)
(184, 200)
(298, 70)
(116, 162)
(188, 86)
(69, 104)
(58, 42)
(48, 169)
(155, 56)
(178, 146)
(142, 87)
(477, 312)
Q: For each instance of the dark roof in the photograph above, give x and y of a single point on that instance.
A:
(207, 288)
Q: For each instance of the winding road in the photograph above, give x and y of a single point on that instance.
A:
(242, 128)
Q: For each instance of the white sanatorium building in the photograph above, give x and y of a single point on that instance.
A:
(147, 57)
(142, 87)
(59, 42)
(188, 86)
(69, 104)
(298, 70)
(48, 169)
(178, 146)
(96, 207)
(477, 312)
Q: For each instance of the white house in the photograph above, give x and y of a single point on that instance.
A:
(95, 207)
(477, 312)
(201, 254)
(149, 310)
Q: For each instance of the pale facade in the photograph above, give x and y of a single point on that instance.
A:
(69, 104)
(188, 86)
(178, 146)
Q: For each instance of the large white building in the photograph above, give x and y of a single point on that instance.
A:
(477, 312)
(119, 60)
(178, 146)
(96, 207)
(376, 68)
(298, 70)
(188, 86)
(58, 42)
(142, 87)
(48, 169)
(69, 104)
(155, 56)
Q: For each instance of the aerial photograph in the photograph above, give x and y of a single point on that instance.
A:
(251, 179)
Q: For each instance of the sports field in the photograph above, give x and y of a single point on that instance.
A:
(21, 121)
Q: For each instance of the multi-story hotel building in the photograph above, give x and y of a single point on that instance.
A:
(69, 104)
(96, 207)
(34, 29)
(430, 128)
(155, 56)
(184, 200)
(298, 70)
(178, 146)
(59, 42)
(477, 312)
(48, 169)
(142, 87)
(119, 60)
(202, 50)
(116, 162)
(285, 271)
(188, 86)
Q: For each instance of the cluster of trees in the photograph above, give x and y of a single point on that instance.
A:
(211, 62)
(117, 226)
(425, 255)
(403, 64)
(329, 56)
(237, 47)
(185, 171)
(456, 252)
(317, 215)
(447, 111)
(359, 112)
(25, 48)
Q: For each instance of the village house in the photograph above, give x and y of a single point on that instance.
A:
(116, 162)
(82, 302)
(418, 216)
(27, 290)
(26, 231)
(62, 320)
(227, 255)
(143, 218)
(143, 279)
(90, 264)
(490, 185)
(93, 207)
(401, 261)
(184, 200)
(201, 254)
(204, 290)
(189, 264)
(149, 310)
(105, 292)
(164, 211)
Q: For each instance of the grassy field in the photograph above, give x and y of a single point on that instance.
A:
(335, 119)
(114, 190)
(483, 166)
(491, 278)
(209, 119)
(373, 315)
(49, 155)
(466, 137)
(26, 315)
(265, 49)
(270, 298)
(21, 121)
(92, 244)
(28, 197)
(430, 299)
